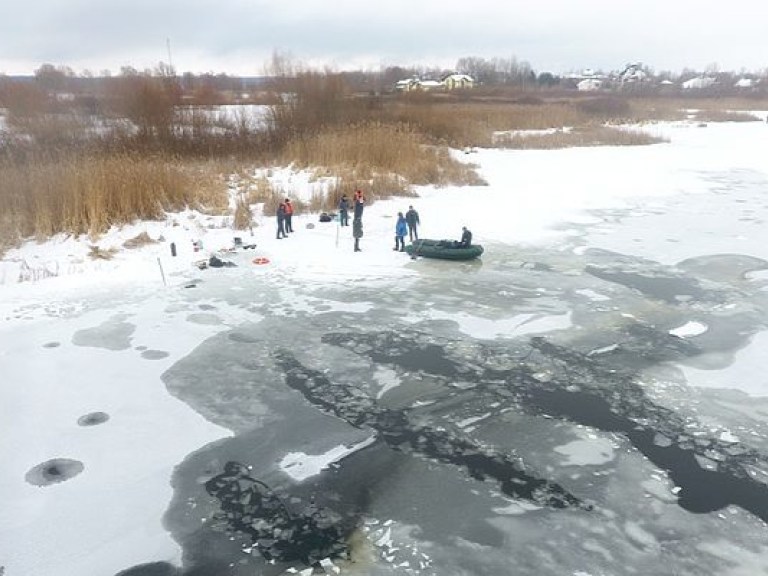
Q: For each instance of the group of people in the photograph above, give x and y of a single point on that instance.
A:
(407, 223)
(358, 203)
(284, 219)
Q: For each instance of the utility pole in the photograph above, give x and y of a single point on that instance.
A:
(170, 59)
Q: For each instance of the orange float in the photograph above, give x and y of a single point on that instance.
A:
(261, 260)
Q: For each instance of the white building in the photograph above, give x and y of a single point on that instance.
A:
(699, 83)
(746, 83)
(589, 85)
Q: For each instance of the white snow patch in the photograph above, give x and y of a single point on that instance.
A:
(746, 372)
(728, 436)
(691, 328)
(592, 452)
(110, 516)
(388, 379)
(300, 466)
(518, 325)
(516, 508)
(466, 422)
(592, 295)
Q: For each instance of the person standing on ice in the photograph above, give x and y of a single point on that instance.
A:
(344, 210)
(359, 203)
(281, 221)
(401, 227)
(288, 215)
(412, 218)
(357, 232)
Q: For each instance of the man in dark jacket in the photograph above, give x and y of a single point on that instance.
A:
(412, 218)
(466, 238)
(344, 210)
(359, 205)
(357, 232)
(281, 221)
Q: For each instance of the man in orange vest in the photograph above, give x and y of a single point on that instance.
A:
(288, 215)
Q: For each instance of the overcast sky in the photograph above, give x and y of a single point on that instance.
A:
(239, 36)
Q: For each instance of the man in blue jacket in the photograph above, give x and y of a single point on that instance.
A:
(401, 228)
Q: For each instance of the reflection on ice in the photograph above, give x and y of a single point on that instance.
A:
(518, 325)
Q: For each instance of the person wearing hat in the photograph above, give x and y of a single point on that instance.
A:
(359, 204)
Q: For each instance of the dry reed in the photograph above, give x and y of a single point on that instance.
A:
(171, 160)
(378, 151)
(243, 218)
(79, 195)
(581, 137)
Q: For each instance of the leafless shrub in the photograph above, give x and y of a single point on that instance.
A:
(97, 253)
(272, 202)
(141, 239)
(260, 190)
(243, 217)
(29, 273)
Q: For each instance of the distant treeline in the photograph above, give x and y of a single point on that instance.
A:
(492, 73)
(141, 143)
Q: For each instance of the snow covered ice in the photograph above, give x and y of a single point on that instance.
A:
(589, 398)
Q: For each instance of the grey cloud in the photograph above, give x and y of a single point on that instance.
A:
(231, 34)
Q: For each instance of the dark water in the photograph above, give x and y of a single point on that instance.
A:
(308, 383)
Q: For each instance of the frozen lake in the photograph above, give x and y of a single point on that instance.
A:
(593, 403)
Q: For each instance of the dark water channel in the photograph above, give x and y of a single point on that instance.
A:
(472, 425)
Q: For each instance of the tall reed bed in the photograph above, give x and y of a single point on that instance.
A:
(395, 154)
(87, 194)
(473, 123)
(580, 137)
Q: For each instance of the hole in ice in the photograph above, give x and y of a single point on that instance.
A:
(93, 419)
(154, 354)
(54, 471)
